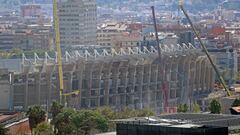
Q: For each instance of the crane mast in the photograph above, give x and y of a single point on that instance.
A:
(220, 78)
(164, 85)
(58, 47)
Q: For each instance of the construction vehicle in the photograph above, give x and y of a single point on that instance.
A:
(59, 58)
(220, 78)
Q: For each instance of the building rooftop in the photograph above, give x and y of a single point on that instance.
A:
(188, 120)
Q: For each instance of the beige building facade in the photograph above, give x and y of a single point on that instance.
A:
(108, 31)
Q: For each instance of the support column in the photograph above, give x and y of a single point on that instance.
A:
(49, 88)
(107, 78)
(26, 92)
(37, 77)
(79, 71)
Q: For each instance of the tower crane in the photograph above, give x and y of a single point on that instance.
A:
(220, 78)
(59, 57)
(164, 86)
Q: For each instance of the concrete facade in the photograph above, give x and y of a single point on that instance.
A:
(5, 90)
(27, 37)
(130, 77)
(108, 31)
(78, 22)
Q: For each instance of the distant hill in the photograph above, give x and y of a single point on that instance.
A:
(14, 4)
(194, 5)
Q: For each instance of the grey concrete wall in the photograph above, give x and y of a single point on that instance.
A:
(5, 96)
(136, 82)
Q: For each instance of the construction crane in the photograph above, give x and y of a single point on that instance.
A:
(59, 57)
(65, 95)
(204, 48)
(164, 86)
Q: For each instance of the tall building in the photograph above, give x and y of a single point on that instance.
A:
(78, 22)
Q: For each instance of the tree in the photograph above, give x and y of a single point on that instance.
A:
(44, 128)
(236, 102)
(3, 130)
(182, 108)
(215, 107)
(107, 112)
(196, 108)
(35, 115)
(126, 113)
(63, 122)
(87, 121)
(56, 108)
(145, 112)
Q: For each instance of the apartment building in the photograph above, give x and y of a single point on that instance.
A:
(78, 22)
(27, 37)
(108, 31)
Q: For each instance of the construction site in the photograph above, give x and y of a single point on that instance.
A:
(125, 78)
(158, 77)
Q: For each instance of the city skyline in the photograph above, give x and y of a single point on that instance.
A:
(119, 67)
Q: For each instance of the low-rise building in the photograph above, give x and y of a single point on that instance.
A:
(179, 124)
(27, 37)
(106, 32)
(127, 39)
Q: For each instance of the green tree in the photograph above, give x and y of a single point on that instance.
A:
(127, 113)
(196, 108)
(3, 130)
(236, 102)
(215, 107)
(88, 121)
(35, 115)
(56, 108)
(44, 128)
(63, 122)
(182, 108)
(107, 112)
(145, 112)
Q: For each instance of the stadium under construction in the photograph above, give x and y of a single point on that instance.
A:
(130, 77)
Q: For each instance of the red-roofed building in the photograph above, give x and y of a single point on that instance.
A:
(216, 31)
(16, 123)
(135, 27)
